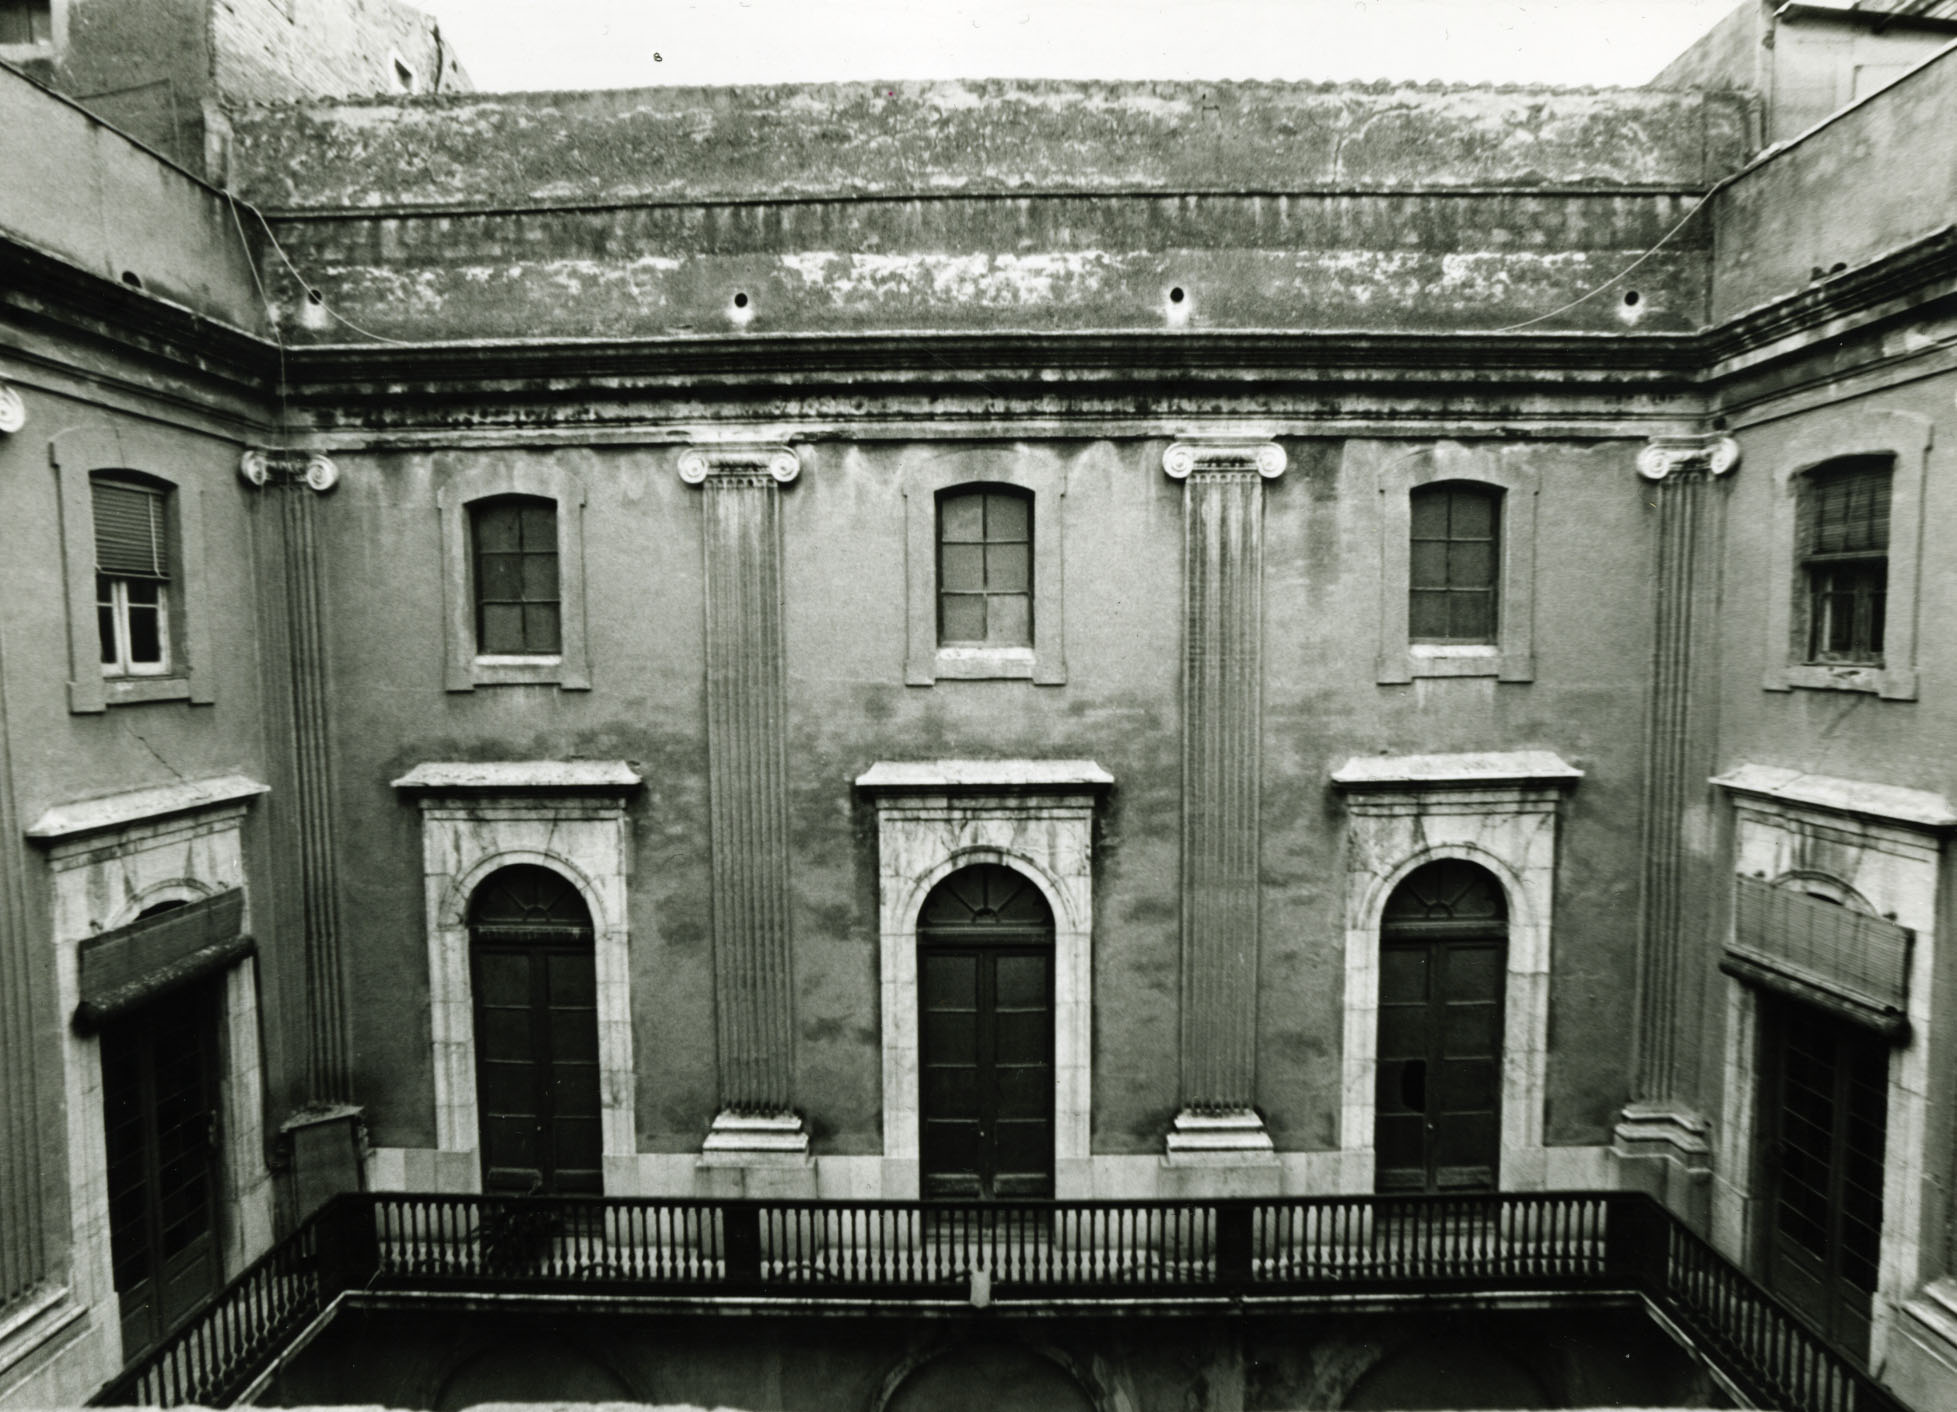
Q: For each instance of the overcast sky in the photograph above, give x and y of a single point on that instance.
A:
(518, 44)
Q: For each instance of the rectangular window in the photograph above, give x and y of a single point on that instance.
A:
(1453, 564)
(26, 21)
(985, 568)
(132, 576)
(1845, 559)
(518, 599)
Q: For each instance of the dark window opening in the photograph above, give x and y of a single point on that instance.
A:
(985, 568)
(1454, 561)
(26, 21)
(514, 538)
(1844, 550)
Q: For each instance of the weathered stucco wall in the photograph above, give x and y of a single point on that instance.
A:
(844, 547)
(967, 207)
(1872, 180)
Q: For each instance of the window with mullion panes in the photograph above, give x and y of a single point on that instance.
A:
(132, 576)
(518, 600)
(985, 569)
(1453, 564)
(1845, 559)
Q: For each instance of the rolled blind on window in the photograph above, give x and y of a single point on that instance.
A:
(1848, 507)
(129, 531)
(1822, 944)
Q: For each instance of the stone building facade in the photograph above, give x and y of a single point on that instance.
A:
(981, 638)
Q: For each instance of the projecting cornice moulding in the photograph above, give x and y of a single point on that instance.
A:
(698, 464)
(1223, 456)
(13, 411)
(315, 469)
(1663, 456)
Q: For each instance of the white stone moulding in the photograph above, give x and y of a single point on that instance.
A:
(477, 818)
(1879, 846)
(1037, 818)
(13, 410)
(1667, 455)
(1494, 809)
(110, 859)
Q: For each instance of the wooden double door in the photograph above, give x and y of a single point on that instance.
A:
(535, 982)
(160, 1104)
(985, 1011)
(1442, 980)
(1824, 1111)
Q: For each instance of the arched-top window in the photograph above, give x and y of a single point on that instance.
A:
(134, 561)
(1450, 892)
(985, 567)
(513, 539)
(1454, 563)
(986, 897)
(1844, 557)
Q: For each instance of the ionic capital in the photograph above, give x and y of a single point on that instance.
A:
(1202, 456)
(278, 467)
(1668, 455)
(751, 463)
(13, 411)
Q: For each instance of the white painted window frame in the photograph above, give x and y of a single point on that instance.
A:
(1498, 811)
(1037, 818)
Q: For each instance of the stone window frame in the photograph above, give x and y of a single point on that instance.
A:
(1906, 438)
(465, 668)
(925, 661)
(1881, 846)
(1037, 818)
(78, 455)
(476, 819)
(109, 860)
(1499, 811)
(1512, 656)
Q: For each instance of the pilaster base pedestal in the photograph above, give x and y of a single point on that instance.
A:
(1220, 1154)
(1665, 1149)
(756, 1155)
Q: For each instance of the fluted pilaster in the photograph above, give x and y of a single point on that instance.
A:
(297, 480)
(1222, 676)
(747, 710)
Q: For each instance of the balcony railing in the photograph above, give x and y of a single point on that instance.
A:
(1280, 1250)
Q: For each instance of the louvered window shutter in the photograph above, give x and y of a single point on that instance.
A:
(130, 540)
(1848, 509)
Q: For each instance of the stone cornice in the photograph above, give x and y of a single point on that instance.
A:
(1223, 455)
(1664, 456)
(141, 806)
(747, 463)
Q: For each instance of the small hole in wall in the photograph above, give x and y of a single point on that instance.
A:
(1176, 295)
(313, 296)
(132, 279)
(1631, 299)
(740, 300)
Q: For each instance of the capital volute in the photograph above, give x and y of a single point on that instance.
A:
(13, 411)
(752, 464)
(1223, 456)
(313, 469)
(1663, 456)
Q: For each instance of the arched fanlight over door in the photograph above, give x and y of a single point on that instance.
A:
(985, 1002)
(1443, 973)
(534, 979)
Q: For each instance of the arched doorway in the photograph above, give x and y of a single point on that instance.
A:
(985, 1021)
(1443, 968)
(535, 983)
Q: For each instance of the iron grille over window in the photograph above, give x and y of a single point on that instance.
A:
(985, 568)
(1845, 558)
(1452, 569)
(517, 594)
(132, 575)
